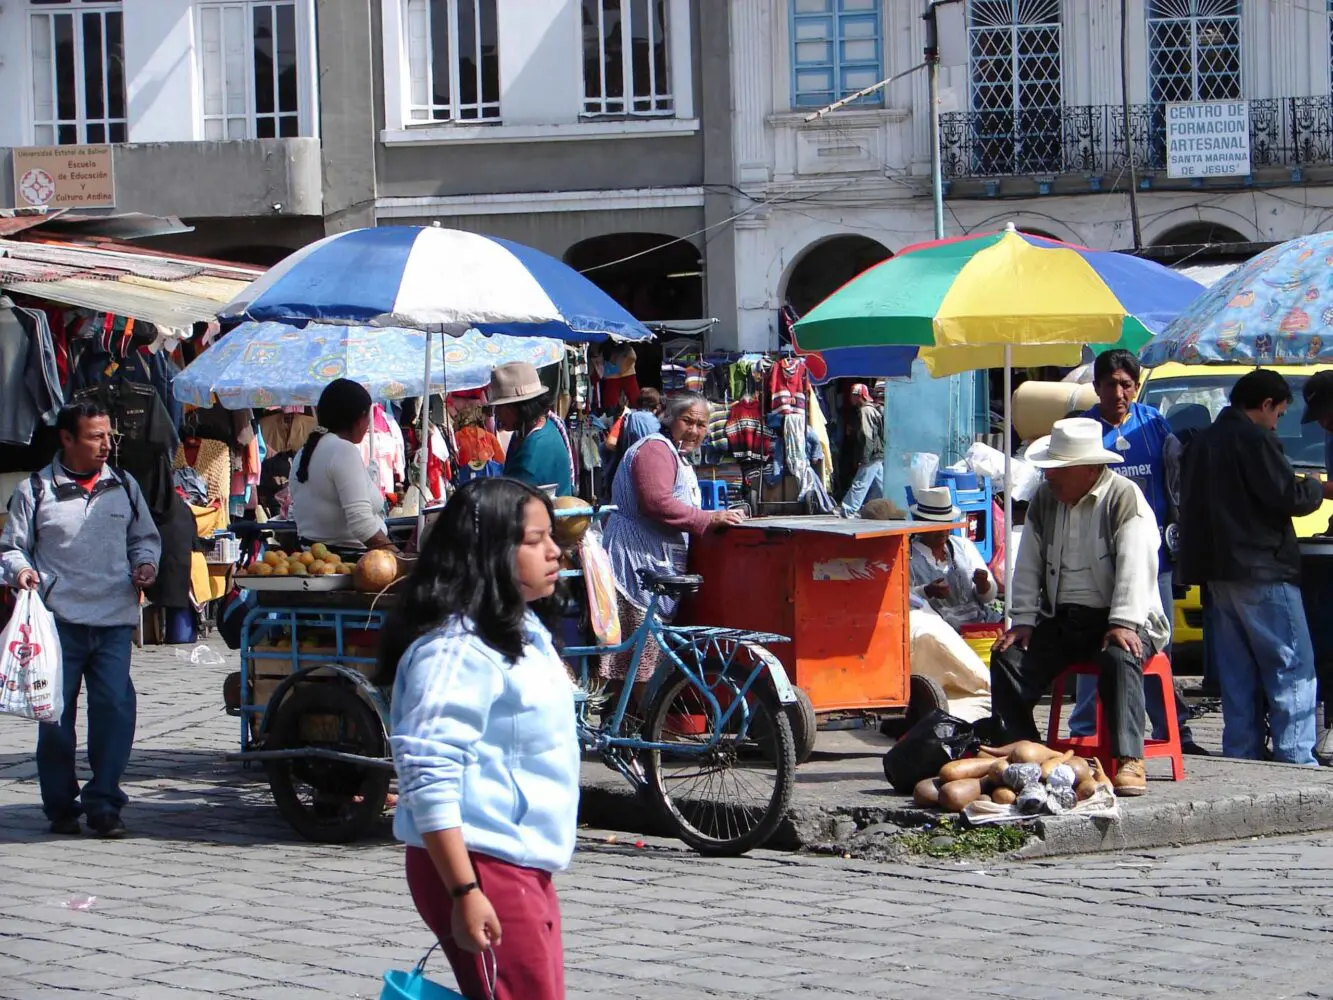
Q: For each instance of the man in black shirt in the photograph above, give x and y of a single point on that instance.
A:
(1239, 494)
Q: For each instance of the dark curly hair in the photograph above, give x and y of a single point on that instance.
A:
(466, 570)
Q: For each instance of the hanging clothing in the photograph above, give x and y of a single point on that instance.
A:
(819, 428)
(286, 433)
(30, 391)
(383, 452)
(477, 446)
(745, 431)
(145, 438)
(787, 385)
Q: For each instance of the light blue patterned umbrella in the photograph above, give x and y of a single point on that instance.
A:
(273, 364)
(1275, 309)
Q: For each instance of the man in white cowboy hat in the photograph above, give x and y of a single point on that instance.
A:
(947, 569)
(1084, 591)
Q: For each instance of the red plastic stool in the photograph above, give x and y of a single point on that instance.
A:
(1099, 743)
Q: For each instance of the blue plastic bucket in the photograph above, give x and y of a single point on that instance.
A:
(415, 986)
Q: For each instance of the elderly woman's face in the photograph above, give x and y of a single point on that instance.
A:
(690, 427)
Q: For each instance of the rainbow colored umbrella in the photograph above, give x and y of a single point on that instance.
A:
(961, 302)
(996, 300)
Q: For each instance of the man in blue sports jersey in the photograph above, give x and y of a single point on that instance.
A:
(1140, 435)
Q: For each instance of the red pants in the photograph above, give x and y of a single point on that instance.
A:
(530, 960)
(614, 388)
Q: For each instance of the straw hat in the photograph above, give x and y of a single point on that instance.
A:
(1075, 441)
(934, 504)
(514, 382)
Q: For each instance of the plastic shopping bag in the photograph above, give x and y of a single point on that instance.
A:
(601, 583)
(31, 682)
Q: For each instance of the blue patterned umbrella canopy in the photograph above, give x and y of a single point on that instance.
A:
(274, 364)
(1276, 309)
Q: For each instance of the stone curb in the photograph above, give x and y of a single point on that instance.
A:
(1146, 826)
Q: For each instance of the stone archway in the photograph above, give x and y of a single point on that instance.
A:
(653, 275)
(827, 266)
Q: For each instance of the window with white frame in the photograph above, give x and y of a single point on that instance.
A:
(836, 50)
(78, 72)
(1014, 53)
(453, 59)
(1193, 50)
(250, 62)
(626, 70)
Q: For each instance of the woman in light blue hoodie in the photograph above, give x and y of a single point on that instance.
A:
(484, 739)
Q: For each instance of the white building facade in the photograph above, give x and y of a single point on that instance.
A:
(211, 106)
(1032, 131)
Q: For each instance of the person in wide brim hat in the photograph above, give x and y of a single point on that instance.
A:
(1076, 441)
(947, 568)
(538, 453)
(1084, 591)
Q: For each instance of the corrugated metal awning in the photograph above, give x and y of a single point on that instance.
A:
(176, 304)
(169, 291)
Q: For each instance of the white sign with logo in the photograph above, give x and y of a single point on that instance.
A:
(1208, 139)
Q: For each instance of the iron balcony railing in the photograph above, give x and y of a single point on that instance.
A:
(1090, 139)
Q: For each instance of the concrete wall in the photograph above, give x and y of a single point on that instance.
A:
(555, 232)
(714, 105)
(239, 178)
(351, 110)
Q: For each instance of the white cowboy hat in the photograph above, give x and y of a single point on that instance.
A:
(934, 504)
(1076, 441)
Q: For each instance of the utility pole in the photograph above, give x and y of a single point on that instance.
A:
(933, 74)
(1129, 142)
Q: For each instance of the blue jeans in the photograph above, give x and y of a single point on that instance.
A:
(1083, 720)
(868, 485)
(99, 657)
(1262, 648)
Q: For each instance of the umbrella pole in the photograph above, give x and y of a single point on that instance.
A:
(423, 448)
(1008, 484)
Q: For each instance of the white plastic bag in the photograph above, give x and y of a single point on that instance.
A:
(31, 679)
(922, 470)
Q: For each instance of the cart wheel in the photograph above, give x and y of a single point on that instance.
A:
(804, 725)
(925, 694)
(731, 798)
(328, 801)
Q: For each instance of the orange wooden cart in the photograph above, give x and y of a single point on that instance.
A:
(837, 587)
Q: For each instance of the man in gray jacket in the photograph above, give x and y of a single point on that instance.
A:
(1084, 591)
(81, 534)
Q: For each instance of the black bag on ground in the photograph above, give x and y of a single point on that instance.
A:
(930, 744)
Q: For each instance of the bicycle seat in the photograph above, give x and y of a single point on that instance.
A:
(670, 585)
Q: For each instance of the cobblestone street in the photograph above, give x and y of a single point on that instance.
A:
(213, 897)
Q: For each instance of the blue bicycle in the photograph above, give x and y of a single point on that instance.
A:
(714, 750)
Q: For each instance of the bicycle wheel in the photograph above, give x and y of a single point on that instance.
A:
(730, 798)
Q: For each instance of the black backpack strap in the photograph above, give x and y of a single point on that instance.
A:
(38, 491)
(132, 494)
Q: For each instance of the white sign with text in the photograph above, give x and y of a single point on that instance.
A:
(1208, 139)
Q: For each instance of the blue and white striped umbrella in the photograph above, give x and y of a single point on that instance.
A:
(430, 278)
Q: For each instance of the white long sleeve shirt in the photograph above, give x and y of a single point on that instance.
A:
(487, 746)
(338, 503)
(966, 603)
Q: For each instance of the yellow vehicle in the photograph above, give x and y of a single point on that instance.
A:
(1170, 387)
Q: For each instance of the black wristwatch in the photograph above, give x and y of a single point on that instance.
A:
(459, 891)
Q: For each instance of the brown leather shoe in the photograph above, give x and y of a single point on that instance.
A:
(1130, 777)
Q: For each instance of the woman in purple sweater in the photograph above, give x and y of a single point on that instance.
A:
(656, 495)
